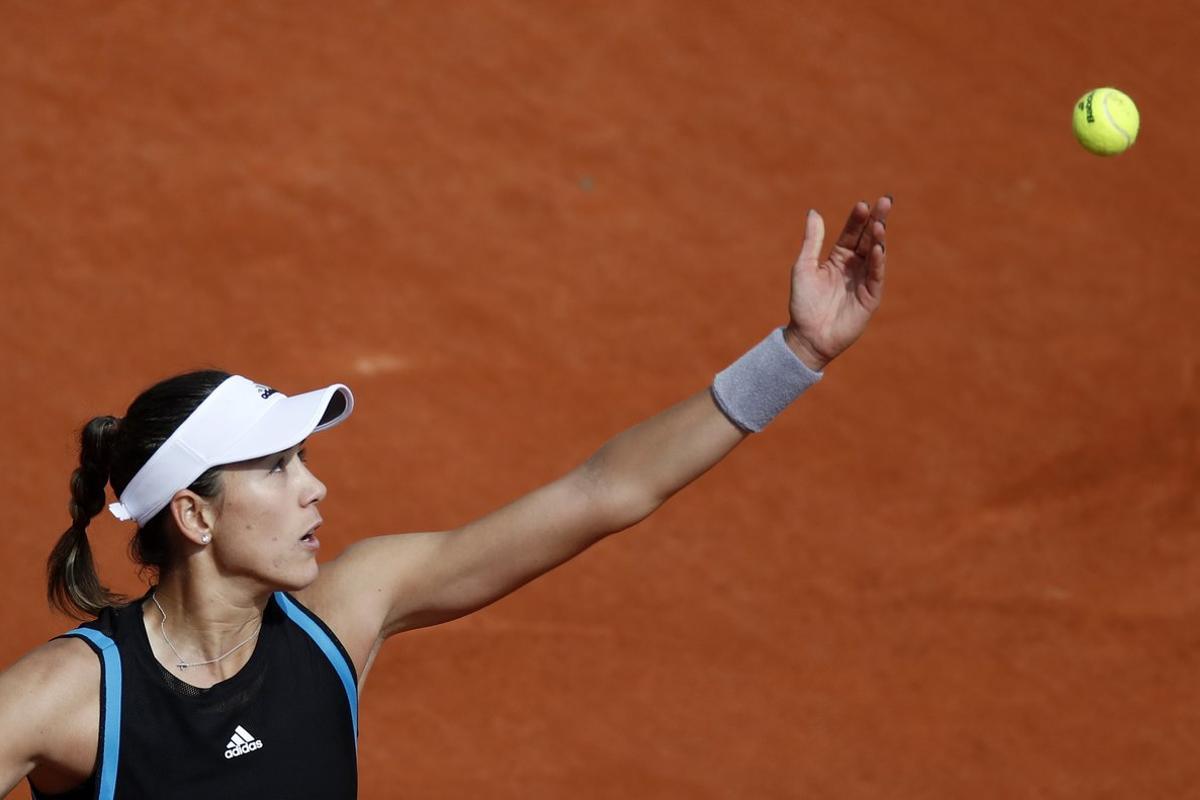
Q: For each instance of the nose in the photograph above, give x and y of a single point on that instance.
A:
(314, 489)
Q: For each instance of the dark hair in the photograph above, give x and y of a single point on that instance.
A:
(112, 451)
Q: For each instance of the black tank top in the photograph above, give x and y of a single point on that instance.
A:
(285, 726)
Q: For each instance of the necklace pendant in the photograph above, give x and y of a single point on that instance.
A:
(181, 666)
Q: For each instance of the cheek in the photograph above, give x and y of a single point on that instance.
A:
(255, 520)
(249, 497)
(254, 542)
(250, 517)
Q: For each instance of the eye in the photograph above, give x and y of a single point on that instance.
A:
(303, 454)
(280, 464)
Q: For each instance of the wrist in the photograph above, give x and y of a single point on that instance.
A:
(753, 390)
(804, 351)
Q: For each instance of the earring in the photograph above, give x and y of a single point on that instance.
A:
(206, 538)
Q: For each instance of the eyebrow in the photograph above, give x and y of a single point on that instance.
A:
(299, 446)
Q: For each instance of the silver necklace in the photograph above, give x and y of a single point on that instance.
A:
(182, 665)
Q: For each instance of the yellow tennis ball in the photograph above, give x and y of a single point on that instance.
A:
(1106, 121)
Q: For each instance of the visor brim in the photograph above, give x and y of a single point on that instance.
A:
(291, 421)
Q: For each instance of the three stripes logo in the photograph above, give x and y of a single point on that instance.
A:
(242, 742)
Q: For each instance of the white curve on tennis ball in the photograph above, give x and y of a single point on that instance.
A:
(1113, 122)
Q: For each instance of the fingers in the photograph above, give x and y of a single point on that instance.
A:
(876, 267)
(874, 229)
(876, 253)
(814, 237)
(855, 224)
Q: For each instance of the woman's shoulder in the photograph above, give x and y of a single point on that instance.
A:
(348, 597)
(64, 657)
(49, 709)
(55, 673)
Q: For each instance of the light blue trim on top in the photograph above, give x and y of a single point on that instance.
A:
(111, 660)
(340, 665)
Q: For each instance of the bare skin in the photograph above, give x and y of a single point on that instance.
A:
(253, 539)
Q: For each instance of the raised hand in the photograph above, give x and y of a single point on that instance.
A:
(832, 300)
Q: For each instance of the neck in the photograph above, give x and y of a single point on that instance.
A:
(212, 633)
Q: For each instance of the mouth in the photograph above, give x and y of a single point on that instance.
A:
(310, 539)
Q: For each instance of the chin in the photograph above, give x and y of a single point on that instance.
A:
(297, 580)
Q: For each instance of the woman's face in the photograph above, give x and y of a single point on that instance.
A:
(267, 520)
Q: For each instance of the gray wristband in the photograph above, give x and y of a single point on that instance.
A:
(754, 389)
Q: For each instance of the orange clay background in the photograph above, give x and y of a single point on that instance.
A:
(966, 565)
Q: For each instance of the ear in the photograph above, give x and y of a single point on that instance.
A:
(194, 515)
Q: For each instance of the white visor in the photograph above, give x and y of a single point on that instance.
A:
(239, 421)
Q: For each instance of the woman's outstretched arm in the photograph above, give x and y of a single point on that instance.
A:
(389, 584)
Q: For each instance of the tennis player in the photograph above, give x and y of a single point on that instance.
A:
(238, 673)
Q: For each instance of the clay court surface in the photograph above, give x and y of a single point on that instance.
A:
(966, 565)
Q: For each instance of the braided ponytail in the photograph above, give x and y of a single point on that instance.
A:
(111, 451)
(72, 584)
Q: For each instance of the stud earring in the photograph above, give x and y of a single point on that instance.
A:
(206, 538)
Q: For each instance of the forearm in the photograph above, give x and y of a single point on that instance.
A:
(636, 471)
(436, 577)
(429, 578)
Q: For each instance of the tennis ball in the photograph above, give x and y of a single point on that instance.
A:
(1106, 121)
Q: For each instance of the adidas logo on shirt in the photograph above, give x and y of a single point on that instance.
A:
(242, 742)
